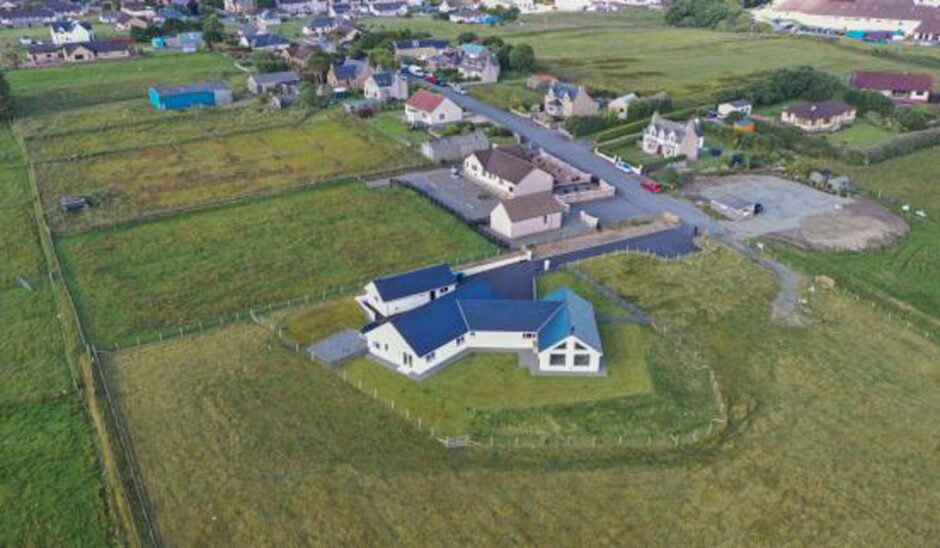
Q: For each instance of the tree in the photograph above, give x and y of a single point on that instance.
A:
(467, 37)
(309, 97)
(266, 61)
(212, 30)
(522, 58)
(6, 100)
(381, 58)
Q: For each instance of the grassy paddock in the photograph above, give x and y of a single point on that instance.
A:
(912, 179)
(157, 275)
(506, 95)
(230, 426)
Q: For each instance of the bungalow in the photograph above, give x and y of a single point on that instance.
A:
(71, 32)
(900, 87)
(27, 17)
(557, 334)
(240, 7)
(526, 215)
(319, 26)
(302, 7)
(419, 49)
(565, 101)
(351, 73)
(928, 32)
(740, 106)
(540, 82)
(138, 9)
(454, 147)
(43, 54)
(819, 117)
(343, 10)
(263, 42)
(426, 108)
(465, 16)
(478, 63)
(507, 171)
(269, 82)
(403, 292)
(127, 22)
(386, 86)
(298, 56)
(187, 96)
(99, 50)
(620, 106)
(388, 9)
(669, 139)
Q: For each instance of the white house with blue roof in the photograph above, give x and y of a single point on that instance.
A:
(435, 319)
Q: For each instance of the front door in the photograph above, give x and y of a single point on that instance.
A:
(433, 295)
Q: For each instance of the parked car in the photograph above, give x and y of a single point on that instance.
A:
(651, 186)
(430, 78)
(415, 70)
(458, 89)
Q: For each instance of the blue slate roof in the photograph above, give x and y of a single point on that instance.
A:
(382, 78)
(560, 89)
(416, 281)
(348, 69)
(576, 318)
(265, 40)
(421, 43)
(507, 315)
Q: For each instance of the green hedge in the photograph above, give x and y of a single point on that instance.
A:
(898, 146)
(638, 126)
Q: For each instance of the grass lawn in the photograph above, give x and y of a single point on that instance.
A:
(159, 275)
(126, 184)
(910, 179)
(860, 134)
(506, 95)
(906, 272)
(51, 489)
(241, 441)
(75, 85)
(313, 323)
(631, 152)
(390, 123)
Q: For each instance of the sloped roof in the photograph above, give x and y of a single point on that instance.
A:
(192, 88)
(99, 46)
(531, 206)
(560, 89)
(504, 164)
(453, 144)
(892, 81)
(265, 40)
(818, 111)
(576, 318)
(425, 100)
(349, 68)
(421, 43)
(415, 281)
(383, 78)
(69, 26)
(276, 77)
(507, 315)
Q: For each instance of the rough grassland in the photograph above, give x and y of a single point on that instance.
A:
(75, 85)
(51, 489)
(157, 275)
(243, 442)
(127, 184)
(912, 179)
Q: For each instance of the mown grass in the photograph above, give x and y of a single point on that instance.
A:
(76, 85)
(860, 134)
(51, 488)
(162, 274)
(507, 95)
(241, 440)
(127, 184)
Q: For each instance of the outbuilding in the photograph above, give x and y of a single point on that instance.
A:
(191, 95)
(735, 208)
(527, 215)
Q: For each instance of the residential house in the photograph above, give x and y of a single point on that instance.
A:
(540, 82)
(43, 54)
(319, 26)
(565, 101)
(27, 17)
(98, 50)
(507, 171)
(449, 6)
(127, 22)
(419, 49)
(192, 95)
(340, 9)
(742, 107)
(384, 85)
(527, 215)
(351, 73)
(108, 17)
(557, 334)
(71, 32)
(478, 63)
(819, 117)
(928, 32)
(454, 147)
(264, 41)
(466, 16)
(187, 42)
(900, 87)
(388, 9)
(912, 18)
(270, 82)
(138, 9)
(302, 7)
(297, 56)
(669, 139)
(267, 20)
(620, 107)
(240, 7)
(426, 108)
(400, 293)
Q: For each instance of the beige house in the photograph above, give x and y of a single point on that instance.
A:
(507, 171)
(419, 49)
(426, 108)
(669, 139)
(351, 73)
(819, 117)
(565, 101)
(527, 215)
(386, 86)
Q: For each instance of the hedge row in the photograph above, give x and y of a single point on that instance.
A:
(898, 146)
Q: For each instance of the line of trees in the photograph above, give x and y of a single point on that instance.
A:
(6, 100)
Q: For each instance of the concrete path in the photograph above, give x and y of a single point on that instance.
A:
(339, 347)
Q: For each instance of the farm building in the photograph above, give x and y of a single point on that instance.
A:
(557, 334)
(192, 95)
(527, 215)
(271, 81)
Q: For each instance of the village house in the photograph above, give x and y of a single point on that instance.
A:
(71, 32)
(565, 101)
(302, 7)
(478, 63)
(419, 49)
(267, 20)
(454, 148)
(320, 26)
(138, 9)
(43, 54)
(192, 95)
(527, 215)
(388, 9)
(740, 106)
(27, 17)
(620, 107)
(97, 50)
(340, 9)
(385, 85)
(270, 82)
(669, 139)
(819, 117)
(507, 171)
(186, 42)
(264, 41)
(556, 334)
(127, 22)
(900, 87)
(540, 82)
(912, 18)
(427, 109)
(240, 7)
(351, 73)
(297, 56)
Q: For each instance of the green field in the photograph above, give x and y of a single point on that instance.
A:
(511, 94)
(910, 179)
(51, 488)
(76, 85)
(159, 275)
(861, 134)
(242, 441)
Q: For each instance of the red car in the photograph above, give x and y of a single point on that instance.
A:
(652, 186)
(431, 78)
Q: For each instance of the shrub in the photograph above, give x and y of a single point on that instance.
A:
(580, 126)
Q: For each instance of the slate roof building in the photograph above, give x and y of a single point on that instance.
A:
(900, 87)
(508, 172)
(819, 117)
(669, 139)
(351, 73)
(527, 215)
(271, 81)
(565, 100)
(71, 32)
(556, 334)
(454, 147)
(385, 85)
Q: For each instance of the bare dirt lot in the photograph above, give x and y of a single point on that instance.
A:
(802, 215)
